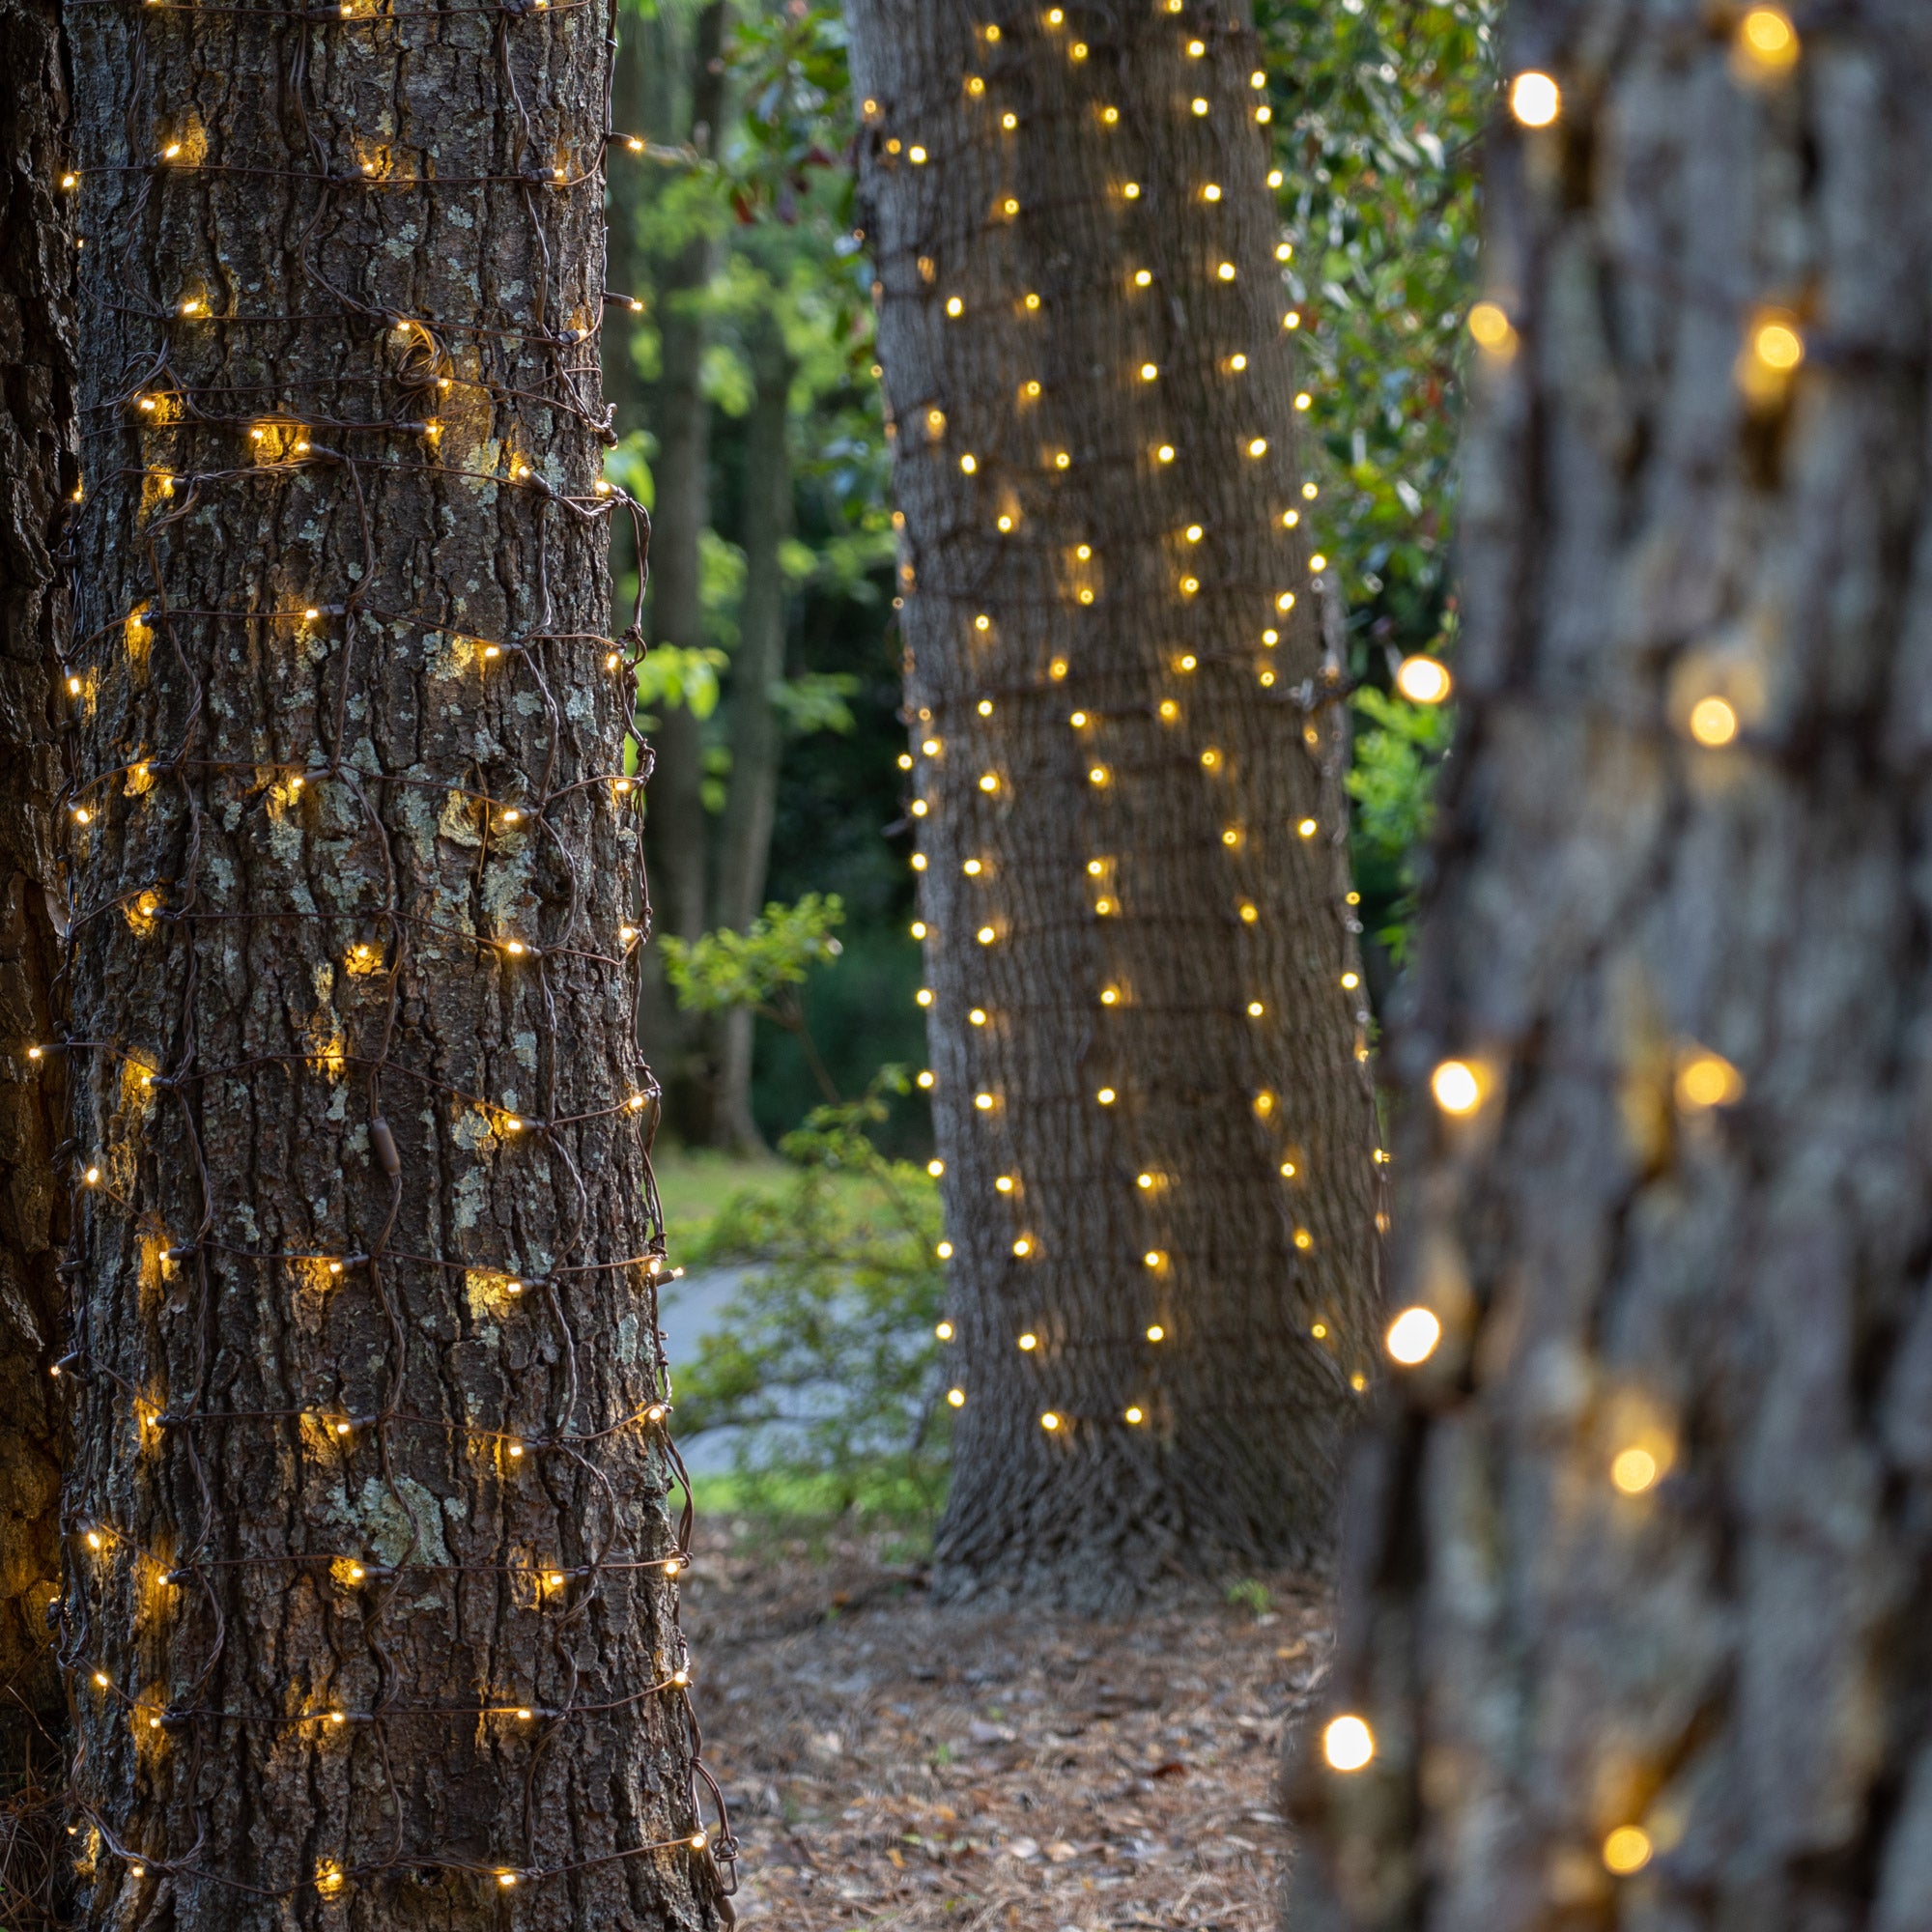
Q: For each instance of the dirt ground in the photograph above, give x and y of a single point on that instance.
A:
(890, 1764)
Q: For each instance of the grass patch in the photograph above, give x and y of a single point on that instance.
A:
(883, 1498)
(695, 1183)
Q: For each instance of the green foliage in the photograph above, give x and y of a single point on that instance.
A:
(817, 702)
(758, 967)
(1250, 1594)
(824, 1360)
(1398, 754)
(1378, 116)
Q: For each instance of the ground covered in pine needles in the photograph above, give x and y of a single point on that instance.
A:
(894, 1765)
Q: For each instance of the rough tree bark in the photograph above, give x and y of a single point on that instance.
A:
(1637, 1599)
(1152, 1097)
(369, 1616)
(756, 731)
(679, 825)
(37, 467)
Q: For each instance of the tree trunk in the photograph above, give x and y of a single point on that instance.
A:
(37, 467)
(1638, 1604)
(370, 1613)
(1147, 1021)
(680, 829)
(758, 734)
(624, 388)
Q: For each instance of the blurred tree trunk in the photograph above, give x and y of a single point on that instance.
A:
(370, 1612)
(1639, 1600)
(38, 468)
(756, 731)
(626, 266)
(682, 1049)
(1147, 1021)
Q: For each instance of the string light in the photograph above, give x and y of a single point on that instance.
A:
(1423, 680)
(1348, 1743)
(1535, 99)
(1412, 1337)
(1457, 1087)
(1706, 1080)
(1766, 45)
(1627, 1849)
(1712, 722)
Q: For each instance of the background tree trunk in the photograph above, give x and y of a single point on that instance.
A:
(756, 731)
(679, 827)
(365, 1327)
(1127, 756)
(38, 467)
(1646, 1266)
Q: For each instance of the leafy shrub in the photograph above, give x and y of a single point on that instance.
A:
(824, 1360)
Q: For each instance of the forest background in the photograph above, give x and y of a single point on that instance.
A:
(744, 380)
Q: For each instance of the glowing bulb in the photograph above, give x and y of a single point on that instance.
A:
(1535, 99)
(945, 1253)
(986, 935)
(1777, 345)
(1028, 1343)
(923, 997)
(983, 1101)
(1348, 1743)
(1226, 271)
(989, 781)
(1627, 1849)
(956, 1396)
(1106, 1096)
(1712, 722)
(1491, 329)
(977, 1016)
(925, 1078)
(1307, 828)
(1706, 1080)
(1255, 1009)
(1199, 105)
(1149, 372)
(506, 1879)
(1131, 190)
(1633, 1470)
(1212, 192)
(1412, 1337)
(969, 464)
(1456, 1087)
(1155, 1259)
(917, 155)
(1423, 680)
(1096, 775)
(1155, 1332)
(1134, 1413)
(1767, 41)
(1049, 1422)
